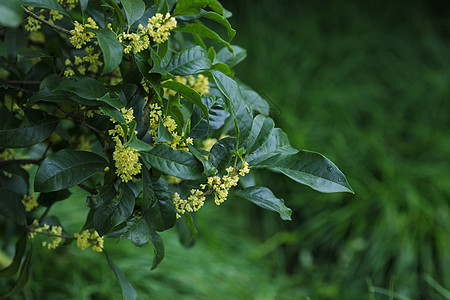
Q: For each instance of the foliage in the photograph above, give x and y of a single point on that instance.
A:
(130, 101)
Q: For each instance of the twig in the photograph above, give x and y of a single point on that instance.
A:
(21, 162)
(79, 121)
(24, 82)
(31, 14)
(50, 234)
(88, 189)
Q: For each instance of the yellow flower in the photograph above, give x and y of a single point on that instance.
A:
(30, 202)
(80, 36)
(126, 161)
(159, 27)
(86, 239)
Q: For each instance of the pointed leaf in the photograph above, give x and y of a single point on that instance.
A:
(192, 7)
(229, 58)
(47, 199)
(11, 206)
(134, 10)
(222, 151)
(128, 291)
(50, 4)
(163, 134)
(138, 231)
(208, 168)
(111, 48)
(217, 116)
(222, 21)
(189, 61)
(261, 130)
(19, 251)
(263, 197)
(67, 168)
(84, 87)
(23, 277)
(158, 247)
(203, 31)
(256, 102)
(177, 163)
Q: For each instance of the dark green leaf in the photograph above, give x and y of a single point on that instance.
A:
(221, 152)
(228, 58)
(157, 204)
(177, 163)
(138, 231)
(163, 134)
(23, 277)
(217, 115)
(241, 111)
(15, 39)
(310, 168)
(85, 87)
(158, 246)
(261, 130)
(18, 255)
(11, 206)
(11, 13)
(190, 223)
(278, 143)
(189, 61)
(134, 9)
(188, 93)
(114, 102)
(25, 54)
(119, 14)
(127, 289)
(47, 199)
(263, 197)
(224, 22)
(50, 4)
(203, 31)
(47, 95)
(27, 136)
(67, 168)
(192, 7)
(256, 102)
(112, 49)
(142, 62)
(137, 144)
(113, 113)
(208, 168)
(114, 211)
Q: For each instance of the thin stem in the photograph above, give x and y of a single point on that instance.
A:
(86, 188)
(79, 121)
(33, 15)
(21, 162)
(44, 214)
(51, 234)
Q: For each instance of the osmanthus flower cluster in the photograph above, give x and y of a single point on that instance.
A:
(137, 103)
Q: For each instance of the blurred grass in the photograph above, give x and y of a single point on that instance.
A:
(367, 84)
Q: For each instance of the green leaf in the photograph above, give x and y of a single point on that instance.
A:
(128, 291)
(50, 4)
(157, 204)
(217, 116)
(11, 13)
(224, 22)
(192, 7)
(229, 58)
(163, 134)
(240, 110)
(112, 49)
(189, 61)
(113, 113)
(23, 277)
(119, 14)
(15, 39)
(11, 206)
(25, 54)
(85, 87)
(188, 93)
(277, 143)
(134, 10)
(311, 169)
(261, 130)
(114, 211)
(158, 247)
(137, 144)
(142, 62)
(28, 136)
(114, 102)
(256, 102)
(67, 168)
(204, 31)
(138, 231)
(47, 95)
(263, 197)
(47, 199)
(208, 168)
(177, 163)
(19, 251)
(222, 152)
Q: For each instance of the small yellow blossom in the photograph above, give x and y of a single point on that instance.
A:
(194, 202)
(54, 233)
(159, 27)
(32, 25)
(86, 239)
(126, 161)
(7, 154)
(54, 15)
(80, 36)
(199, 84)
(83, 144)
(68, 3)
(30, 202)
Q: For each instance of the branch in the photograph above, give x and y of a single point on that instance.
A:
(31, 14)
(21, 162)
(88, 189)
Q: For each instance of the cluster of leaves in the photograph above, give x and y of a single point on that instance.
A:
(48, 111)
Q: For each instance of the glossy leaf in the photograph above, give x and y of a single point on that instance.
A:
(208, 167)
(129, 293)
(204, 31)
(28, 136)
(84, 87)
(228, 58)
(221, 152)
(67, 168)
(192, 7)
(138, 231)
(47, 199)
(158, 247)
(189, 61)
(114, 102)
(47, 95)
(311, 169)
(163, 134)
(278, 143)
(240, 110)
(222, 21)
(25, 54)
(11, 13)
(200, 126)
(263, 197)
(19, 251)
(11, 206)
(187, 93)
(114, 211)
(261, 130)
(157, 204)
(134, 10)
(256, 102)
(112, 113)
(111, 48)
(177, 163)
(50, 4)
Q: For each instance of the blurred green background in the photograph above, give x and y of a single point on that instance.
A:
(366, 84)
